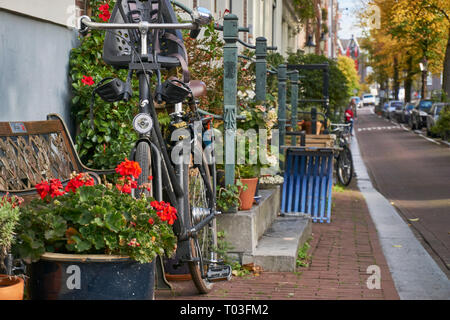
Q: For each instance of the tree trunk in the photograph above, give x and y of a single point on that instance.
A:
(408, 80)
(446, 71)
(318, 18)
(396, 80)
(423, 92)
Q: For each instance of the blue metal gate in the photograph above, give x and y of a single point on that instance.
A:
(308, 181)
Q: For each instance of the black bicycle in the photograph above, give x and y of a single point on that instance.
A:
(144, 37)
(344, 160)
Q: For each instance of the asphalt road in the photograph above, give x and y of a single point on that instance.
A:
(413, 173)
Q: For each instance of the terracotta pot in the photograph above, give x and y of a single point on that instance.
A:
(11, 287)
(307, 126)
(247, 196)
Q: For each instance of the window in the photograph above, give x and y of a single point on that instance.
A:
(425, 105)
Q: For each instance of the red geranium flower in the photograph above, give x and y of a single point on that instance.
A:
(129, 168)
(126, 184)
(82, 179)
(165, 211)
(87, 81)
(43, 189)
(55, 188)
(105, 15)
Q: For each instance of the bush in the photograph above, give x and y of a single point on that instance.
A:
(111, 138)
(442, 127)
(311, 85)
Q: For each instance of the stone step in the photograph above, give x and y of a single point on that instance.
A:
(244, 228)
(277, 249)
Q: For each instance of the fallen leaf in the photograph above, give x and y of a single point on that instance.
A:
(397, 246)
(252, 268)
(392, 203)
(414, 220)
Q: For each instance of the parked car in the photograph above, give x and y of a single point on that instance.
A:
(419, 114)
(406, 112)
(368, 100)
(433, 116)
(392, 109)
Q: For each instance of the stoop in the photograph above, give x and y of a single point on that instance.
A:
(262, 237)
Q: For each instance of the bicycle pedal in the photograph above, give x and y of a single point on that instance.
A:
(219, 273)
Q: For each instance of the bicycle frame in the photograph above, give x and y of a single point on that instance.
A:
(164, 168)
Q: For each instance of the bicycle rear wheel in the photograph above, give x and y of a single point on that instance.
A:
(344, 166)
(203, 247)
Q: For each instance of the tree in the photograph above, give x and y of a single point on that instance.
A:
(426, 23)
(347, 66)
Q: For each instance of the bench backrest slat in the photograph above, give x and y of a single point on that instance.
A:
(34, 151)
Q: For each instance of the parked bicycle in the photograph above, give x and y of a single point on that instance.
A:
(144, 37)
(344, 160)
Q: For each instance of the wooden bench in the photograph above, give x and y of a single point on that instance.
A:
(37, 150)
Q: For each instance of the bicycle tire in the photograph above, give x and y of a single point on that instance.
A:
(144, 158)
(344, 167)
(205, 244)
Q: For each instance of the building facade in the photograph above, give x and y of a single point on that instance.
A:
(35, 43)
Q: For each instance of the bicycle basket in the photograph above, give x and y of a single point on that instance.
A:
(117, 48)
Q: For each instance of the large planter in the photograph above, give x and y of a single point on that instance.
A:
(11, 287)
(91, 277)
(247, 197)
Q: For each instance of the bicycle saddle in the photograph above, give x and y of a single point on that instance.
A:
(170, 48)
(198, 88)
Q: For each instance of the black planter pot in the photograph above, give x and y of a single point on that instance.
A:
(91, 277)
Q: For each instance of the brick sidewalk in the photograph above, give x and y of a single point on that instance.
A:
(341, 252)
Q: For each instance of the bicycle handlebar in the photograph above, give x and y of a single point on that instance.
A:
(86, 23)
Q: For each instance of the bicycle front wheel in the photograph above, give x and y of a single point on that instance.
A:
(344, 167)
(144, 158)
(203, 246)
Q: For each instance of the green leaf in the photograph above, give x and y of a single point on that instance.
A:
(114, 221)
(80, 244)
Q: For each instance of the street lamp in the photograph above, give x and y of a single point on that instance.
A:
(322, 42)
(310, 45)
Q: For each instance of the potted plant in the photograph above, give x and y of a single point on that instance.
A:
(270, 181)
(94, 241)
(11, 287)
(228, 199)
(248, 176)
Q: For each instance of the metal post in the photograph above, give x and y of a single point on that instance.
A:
(230, 57)
(282, 78)
(326, 96)
(294, 103)
(314, 120)
(261, 69)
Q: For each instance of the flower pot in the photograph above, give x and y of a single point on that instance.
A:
(247, 197)
(11, 287)
(91, 277)
(307, 126)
